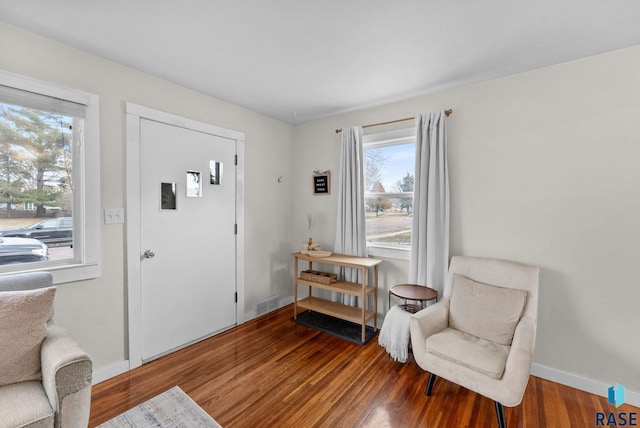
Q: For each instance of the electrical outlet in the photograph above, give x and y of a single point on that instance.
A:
(113, 215)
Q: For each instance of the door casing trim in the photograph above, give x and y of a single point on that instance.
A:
(134, 114)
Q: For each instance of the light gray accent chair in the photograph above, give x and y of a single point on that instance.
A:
(61, 396)
(482, 333)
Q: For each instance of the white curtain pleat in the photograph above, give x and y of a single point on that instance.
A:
(430, 236)
(350, 224)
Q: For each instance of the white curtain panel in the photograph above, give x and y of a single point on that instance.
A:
(350, 223)
(430, 237)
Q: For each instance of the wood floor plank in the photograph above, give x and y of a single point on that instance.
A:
(273, 372)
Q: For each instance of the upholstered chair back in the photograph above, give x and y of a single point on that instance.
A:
(500, 273)
(26, 281)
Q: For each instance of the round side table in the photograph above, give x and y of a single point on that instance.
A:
(413, 292)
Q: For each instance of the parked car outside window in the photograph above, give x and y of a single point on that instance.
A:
(22, 250)
(51, 231)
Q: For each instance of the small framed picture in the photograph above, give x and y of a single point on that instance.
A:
(322, 183)
(194, 184)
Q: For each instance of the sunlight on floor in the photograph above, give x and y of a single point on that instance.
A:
(379, 419)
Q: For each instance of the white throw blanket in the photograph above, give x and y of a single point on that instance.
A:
(394, 334)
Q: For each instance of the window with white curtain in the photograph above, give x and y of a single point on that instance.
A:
(389, 159)
(49, 179)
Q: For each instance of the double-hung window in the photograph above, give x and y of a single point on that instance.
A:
(389, 174)
(49, 179)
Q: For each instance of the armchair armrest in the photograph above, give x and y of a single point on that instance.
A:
(518, 365)
(431, 319)
(66, 370)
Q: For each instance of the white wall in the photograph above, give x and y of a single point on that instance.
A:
(94, 310)
(543, 170)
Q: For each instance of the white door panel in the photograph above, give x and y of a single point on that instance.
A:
(188, 287)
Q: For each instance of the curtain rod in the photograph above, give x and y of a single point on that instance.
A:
(446, 113)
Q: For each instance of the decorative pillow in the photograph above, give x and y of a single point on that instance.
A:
(485, 311)
(23, 317)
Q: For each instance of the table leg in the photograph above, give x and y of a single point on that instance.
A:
(295, 288)
(363, 277)
(375, 298)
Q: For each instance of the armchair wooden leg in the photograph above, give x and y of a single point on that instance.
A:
(430, 382)
(502, 423)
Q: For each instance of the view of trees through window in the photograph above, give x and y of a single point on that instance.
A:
(36, 185)
(389, 171)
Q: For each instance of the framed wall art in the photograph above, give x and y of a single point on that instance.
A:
(322, 183)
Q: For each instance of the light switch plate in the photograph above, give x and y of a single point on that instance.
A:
(113, 215)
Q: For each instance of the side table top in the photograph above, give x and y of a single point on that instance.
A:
(413, 292)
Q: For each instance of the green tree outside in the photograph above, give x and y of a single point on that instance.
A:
(35, 158)
(405, 185)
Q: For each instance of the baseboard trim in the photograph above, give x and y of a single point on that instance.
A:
(581, 383)
(100, 375)
(281, 304)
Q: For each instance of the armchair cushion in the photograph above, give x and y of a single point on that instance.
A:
(488, 358)
(485, 311)
(25, 404)
(23, 317)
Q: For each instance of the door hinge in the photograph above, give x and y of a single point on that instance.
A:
(235, 229)
(236, 160)
(236, 297)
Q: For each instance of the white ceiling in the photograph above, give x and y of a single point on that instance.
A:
(300, 60)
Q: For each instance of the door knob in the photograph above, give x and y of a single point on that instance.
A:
(149, 254)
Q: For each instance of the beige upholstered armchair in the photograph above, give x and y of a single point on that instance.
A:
(482, 333)
(45, 377)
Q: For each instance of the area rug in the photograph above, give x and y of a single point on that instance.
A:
(340, 328)
(172, 408)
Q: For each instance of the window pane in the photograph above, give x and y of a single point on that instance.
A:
(36, 185)
(389, 194)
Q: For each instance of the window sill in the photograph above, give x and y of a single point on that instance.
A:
(389, 252)
(65, 273)
(78, 272)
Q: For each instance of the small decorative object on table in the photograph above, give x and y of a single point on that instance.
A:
(311, 248)
(310, 226)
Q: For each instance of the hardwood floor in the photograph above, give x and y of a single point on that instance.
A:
(271, 372)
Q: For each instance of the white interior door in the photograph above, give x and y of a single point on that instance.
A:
(187, 236)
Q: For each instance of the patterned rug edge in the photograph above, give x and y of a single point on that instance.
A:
(172, 408)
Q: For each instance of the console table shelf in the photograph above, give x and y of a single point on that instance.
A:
(340, 286)
(357, 315)
(338, 310)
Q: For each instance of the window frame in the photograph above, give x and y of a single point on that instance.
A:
(385, 139)
(86, 197)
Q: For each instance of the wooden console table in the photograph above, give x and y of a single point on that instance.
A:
(334, 309)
